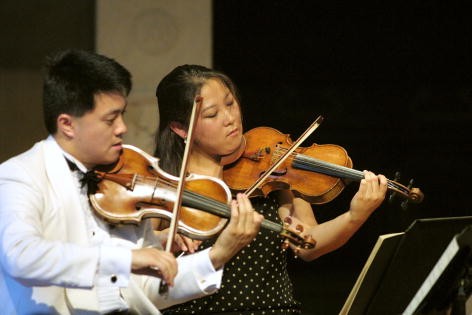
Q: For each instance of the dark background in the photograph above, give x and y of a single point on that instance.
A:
(30, 30)
(393, 82)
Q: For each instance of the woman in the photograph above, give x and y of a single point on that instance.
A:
(256, 280)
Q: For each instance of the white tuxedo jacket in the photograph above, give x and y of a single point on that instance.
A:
(47, 264)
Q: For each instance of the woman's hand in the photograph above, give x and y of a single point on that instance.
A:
(181, 243)
(371, 194)
(243, 226)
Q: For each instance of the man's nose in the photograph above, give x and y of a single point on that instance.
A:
(121, 128)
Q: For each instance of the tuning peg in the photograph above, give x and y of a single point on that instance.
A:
(285, 244)
(309, 242)
(296, 251)
(404, 204)
(397, 176)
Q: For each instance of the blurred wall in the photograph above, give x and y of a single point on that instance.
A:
(150, 38)
(29, 31)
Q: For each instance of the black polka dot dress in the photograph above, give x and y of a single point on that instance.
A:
(255, 281)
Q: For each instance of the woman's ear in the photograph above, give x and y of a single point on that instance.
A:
(64, 125)
(179, 129)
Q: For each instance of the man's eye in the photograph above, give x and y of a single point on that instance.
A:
(110, 121)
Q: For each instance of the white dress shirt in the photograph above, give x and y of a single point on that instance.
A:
(50, 263)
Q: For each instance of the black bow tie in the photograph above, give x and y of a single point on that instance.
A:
(90, 178)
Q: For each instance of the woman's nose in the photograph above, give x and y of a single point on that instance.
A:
(229, 116)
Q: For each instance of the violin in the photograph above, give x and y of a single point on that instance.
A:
(317, 173)
(135, 188)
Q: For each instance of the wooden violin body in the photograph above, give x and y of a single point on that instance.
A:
(263, 146)
(135, 188)
(317, 173)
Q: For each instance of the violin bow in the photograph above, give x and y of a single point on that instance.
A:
(284, 156)
(163, 289)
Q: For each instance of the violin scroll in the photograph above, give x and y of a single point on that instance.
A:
(410, 193)
(295, 225)
(317, 173)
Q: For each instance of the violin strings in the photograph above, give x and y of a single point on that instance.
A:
(304, 162)
(220, 208)
(329, 167)
(300, 160)
(197, 200)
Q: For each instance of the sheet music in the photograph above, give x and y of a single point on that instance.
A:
(433, 276)
(380, 254)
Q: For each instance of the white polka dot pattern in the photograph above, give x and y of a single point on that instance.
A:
(255, 281)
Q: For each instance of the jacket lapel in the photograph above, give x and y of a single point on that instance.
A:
(62, 183)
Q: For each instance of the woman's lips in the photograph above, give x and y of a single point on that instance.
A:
(233, 132)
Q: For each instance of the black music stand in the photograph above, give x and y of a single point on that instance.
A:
(449, 283)
(397, 268)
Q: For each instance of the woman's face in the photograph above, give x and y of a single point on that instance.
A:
(219, 126)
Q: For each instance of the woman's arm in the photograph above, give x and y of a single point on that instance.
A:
(333, 234)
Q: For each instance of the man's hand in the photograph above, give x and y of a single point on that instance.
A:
(154, 262)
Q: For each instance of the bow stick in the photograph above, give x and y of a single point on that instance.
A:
(163, 288)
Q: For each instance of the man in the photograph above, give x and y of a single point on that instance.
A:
(56, 255)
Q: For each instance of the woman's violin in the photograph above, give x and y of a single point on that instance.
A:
(317, 173)
(135, 188)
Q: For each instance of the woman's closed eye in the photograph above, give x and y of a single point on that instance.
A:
(210, 114)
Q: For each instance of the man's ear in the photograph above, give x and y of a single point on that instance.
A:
(64, 125)
(179, 129)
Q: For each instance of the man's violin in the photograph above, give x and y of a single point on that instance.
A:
(135, 188)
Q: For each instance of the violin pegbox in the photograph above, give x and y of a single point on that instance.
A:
(410, 193)
(294, 233)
